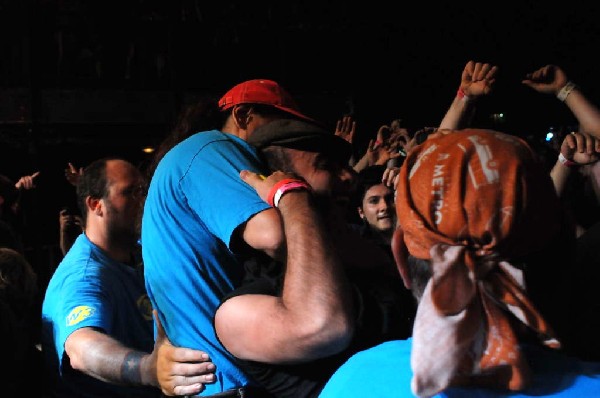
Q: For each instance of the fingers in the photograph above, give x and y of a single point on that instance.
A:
(345, 128)
(581, 148)
(194, 368)
(589, 144)
(583, 143)
(468, 71)
(188, 378)
(26, 182)
(346, 123)
(389, 176)
(250, 178)
(181, 371)
(263, 185)
(491, 73)
(192, 389)
(371, 146)
(479, 71)
(338, 130)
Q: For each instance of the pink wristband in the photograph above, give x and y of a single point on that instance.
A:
(275, 187)
(461, 94)
(287, 187)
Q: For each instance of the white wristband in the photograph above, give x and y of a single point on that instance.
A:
(290, 186)
(567, 162)
(565, 91)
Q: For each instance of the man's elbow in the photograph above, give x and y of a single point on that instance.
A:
(274, 244)
(268, 240)
(327, 335)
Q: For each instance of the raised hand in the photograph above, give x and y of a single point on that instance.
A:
(72, 174)
(548, 79)
(478, 79)
(390, 177)
(345, 128)
(580, 148)
(27, 182)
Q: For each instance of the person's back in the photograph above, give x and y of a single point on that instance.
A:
(198, 215)
(554, 374)
(186, 229)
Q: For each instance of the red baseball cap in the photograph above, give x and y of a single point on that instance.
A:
(261, 91)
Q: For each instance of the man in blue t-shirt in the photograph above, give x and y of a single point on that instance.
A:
(97, 325)
(199, 215)
(292, 323)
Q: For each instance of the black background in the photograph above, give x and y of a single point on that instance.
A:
(79, 79)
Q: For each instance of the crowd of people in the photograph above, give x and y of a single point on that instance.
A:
(258, 255)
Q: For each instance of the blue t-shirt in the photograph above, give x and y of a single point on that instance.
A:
(89, 289)
(195, 201)
(384, 371)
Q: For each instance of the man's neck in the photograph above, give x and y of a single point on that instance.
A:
(114, 248)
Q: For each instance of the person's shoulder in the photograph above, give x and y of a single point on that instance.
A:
(82, 258)
(389, 377)
(204, 138)
(202, 142)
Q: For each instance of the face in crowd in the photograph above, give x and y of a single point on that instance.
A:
(123, 199)
(378, 209)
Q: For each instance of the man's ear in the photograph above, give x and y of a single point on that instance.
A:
(240, 116)
(94, 205)
(361, 214)
(400, 253)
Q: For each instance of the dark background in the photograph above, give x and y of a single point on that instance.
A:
(83, 79)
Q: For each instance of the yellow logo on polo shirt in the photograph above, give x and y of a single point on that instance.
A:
(145, 307)
(78, 314)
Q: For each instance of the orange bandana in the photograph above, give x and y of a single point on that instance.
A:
(470, 201)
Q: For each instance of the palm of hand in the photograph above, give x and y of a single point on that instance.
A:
(477, 88)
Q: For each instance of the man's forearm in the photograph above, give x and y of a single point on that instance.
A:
(102, 357)
(315, 285)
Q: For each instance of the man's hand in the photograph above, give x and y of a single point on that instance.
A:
(580, 148)
(345, 128)
(548, 79)
(72, 174)
(180, 371)
(478, 79)
(263, 184)
(26, 182)
(390, 177)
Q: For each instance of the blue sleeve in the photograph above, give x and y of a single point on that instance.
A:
(215, 191)
(84, 306)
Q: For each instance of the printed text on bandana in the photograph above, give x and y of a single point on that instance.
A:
(438, 188)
